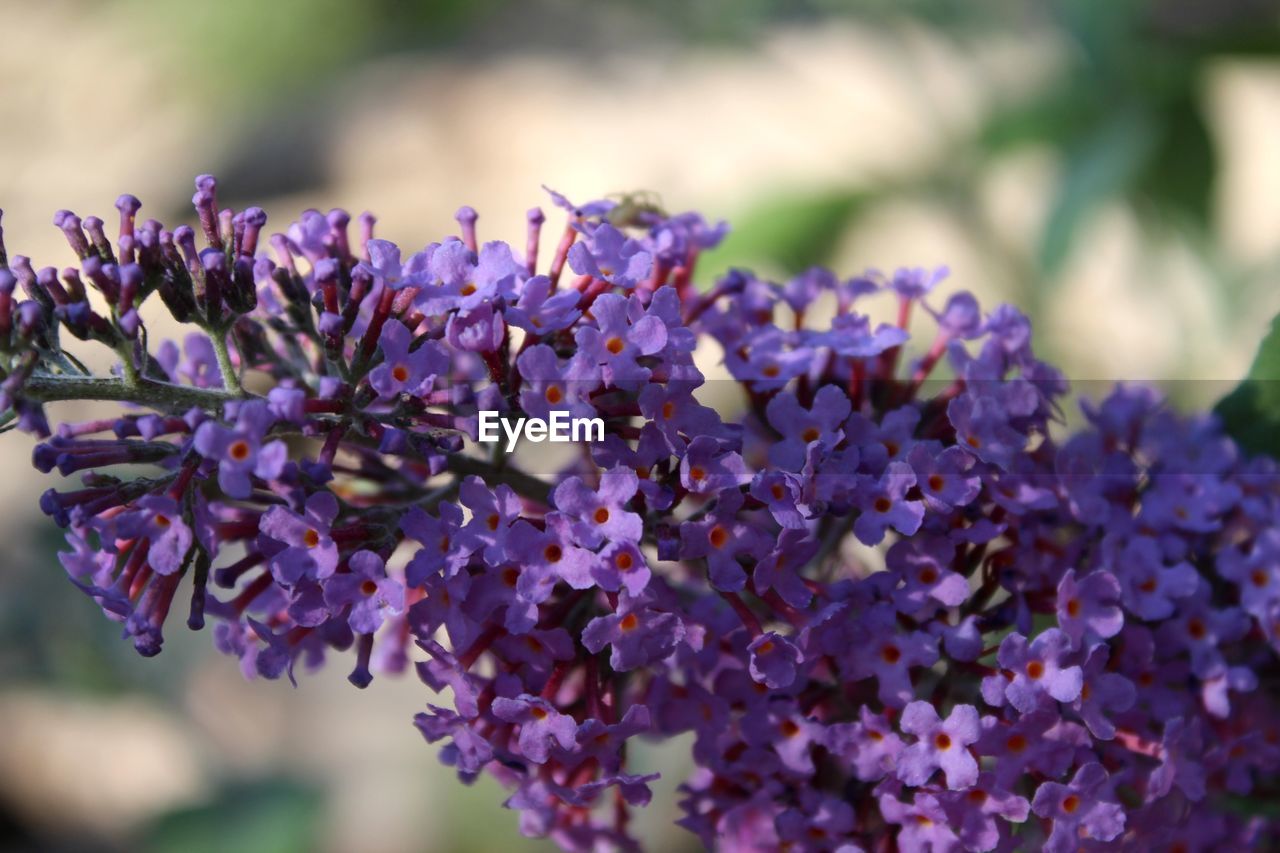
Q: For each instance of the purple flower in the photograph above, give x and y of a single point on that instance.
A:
(240, 451)
(620, 337)
(982, 426)
(299, 546)
(541, 725)
(441, 550)
(638, 636)
(539, 311)
(405, 370)
(1089, 606)
(981, 813)
(1151, 586)
(384, 265)
(940, 744)
(1039, 672)
(158, 520)
(549, 386)
(800, 427)
(622, 566)
(884, 652)
(774, 660)
(492, 512)
(372, 596)
(707, 467)
(608, 254)
(870, 746)
(942, 476)
(549, 556)
(923, 824)
(1102, 692)
(1076, 809)
(722, 540)
(599, 515)
(884, 504)
(924, 566)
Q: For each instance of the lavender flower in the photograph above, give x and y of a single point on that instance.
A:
(1080, 627)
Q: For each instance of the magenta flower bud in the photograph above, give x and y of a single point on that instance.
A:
(206, 207)
(128, 205)
(339, 220)
(69, 223)
(254, 219)
(94, 227)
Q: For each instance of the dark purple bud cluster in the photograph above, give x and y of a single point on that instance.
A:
(892, 602)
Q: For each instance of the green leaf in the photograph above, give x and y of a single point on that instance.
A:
(1178, 175)
(270, 816)
(791, 232)
(1101, 166)
(1251, 413)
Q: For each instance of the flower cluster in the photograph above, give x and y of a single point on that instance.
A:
(890, 602)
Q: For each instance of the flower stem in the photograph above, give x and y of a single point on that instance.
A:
(48, 388)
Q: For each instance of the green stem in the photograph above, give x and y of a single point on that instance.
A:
(158, 395)
(230, 380)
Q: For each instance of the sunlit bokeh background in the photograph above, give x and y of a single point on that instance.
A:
(1112, 166)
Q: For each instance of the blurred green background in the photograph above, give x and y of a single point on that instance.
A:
(1109, 165)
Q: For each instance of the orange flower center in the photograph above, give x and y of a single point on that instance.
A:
(239, 450)
(629, 622)
(601, 515)
(614, 345)
(311, 538)
(554, 394)
(400, 373)
(368, 587)
(718, 537)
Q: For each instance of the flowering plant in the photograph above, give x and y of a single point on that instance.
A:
(893, 608)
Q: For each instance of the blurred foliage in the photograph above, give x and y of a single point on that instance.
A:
(1251, 413)
(264, 816)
